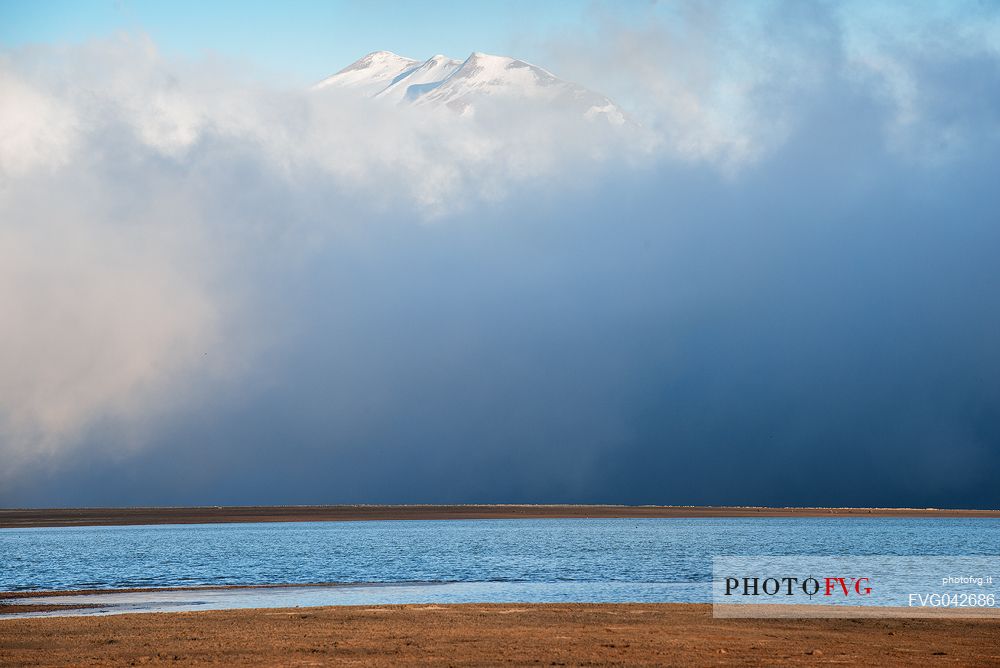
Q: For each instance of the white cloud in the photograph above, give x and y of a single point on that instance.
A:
(35, 131)
(96, 324)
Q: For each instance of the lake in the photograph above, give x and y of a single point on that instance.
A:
(528, 560)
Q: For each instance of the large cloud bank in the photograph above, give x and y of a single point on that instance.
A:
(776, 286)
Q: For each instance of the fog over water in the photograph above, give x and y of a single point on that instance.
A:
(779, 286)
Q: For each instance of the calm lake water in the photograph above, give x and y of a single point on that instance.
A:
(644, 560)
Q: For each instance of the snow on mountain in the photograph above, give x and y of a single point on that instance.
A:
(412, 83)
(463, 85)
(370, 74)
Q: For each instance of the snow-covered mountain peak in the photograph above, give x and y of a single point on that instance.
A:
(371, 73)
(503, 74)
(462, 86)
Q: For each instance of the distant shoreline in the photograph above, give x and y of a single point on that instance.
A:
(64, 517)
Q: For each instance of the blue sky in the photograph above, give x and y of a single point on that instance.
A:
(307, 38)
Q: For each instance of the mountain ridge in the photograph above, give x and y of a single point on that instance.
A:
(462, 86)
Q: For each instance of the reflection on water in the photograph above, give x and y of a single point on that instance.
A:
(452, 561)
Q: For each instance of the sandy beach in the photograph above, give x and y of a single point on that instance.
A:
(54, 517)
(465, 635)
